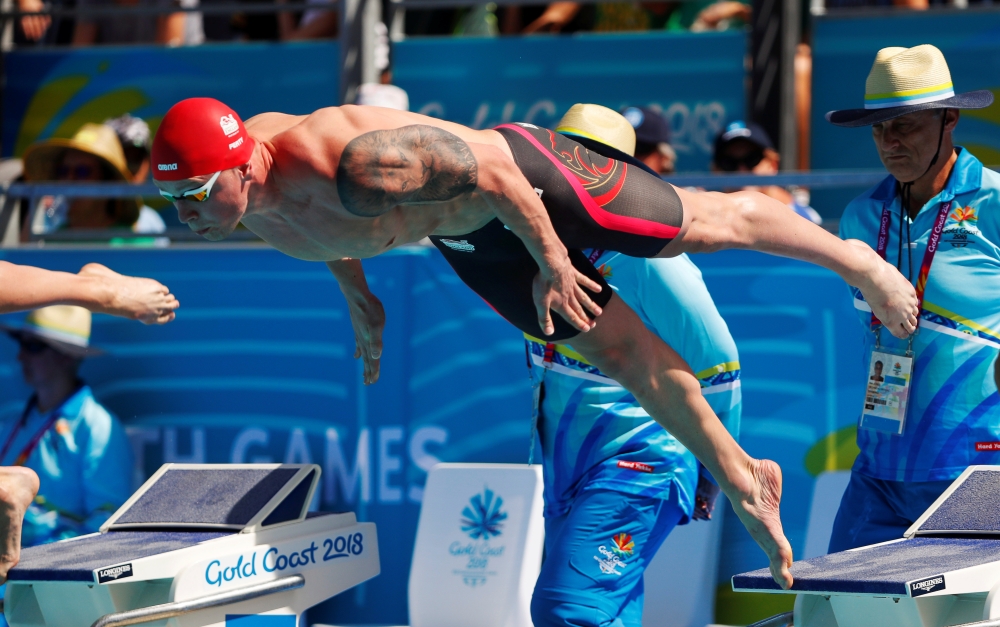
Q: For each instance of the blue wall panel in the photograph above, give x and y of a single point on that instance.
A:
(697, 80)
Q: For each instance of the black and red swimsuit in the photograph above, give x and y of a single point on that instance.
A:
(592, 200)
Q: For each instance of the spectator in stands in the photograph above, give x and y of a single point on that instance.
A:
(93, 154)
(315, 23)
(76, 447)
(133, 134)
(695, 15)
(745, 147)
(918, 5)
(134, 137)
(652, 139)
(172, 29)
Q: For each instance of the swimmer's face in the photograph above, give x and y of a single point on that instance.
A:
(906, 144)
(217, 217)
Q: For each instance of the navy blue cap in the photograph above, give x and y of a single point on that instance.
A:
(743, 130)
(649, 125)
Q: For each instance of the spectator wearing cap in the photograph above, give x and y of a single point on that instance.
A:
(745, 147)
(134, 136)
(93, 154)
(936, 217)
(652, 139)
(76, 447)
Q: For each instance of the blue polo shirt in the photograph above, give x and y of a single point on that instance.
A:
(84, 467)
(953, 418)
(593, 432)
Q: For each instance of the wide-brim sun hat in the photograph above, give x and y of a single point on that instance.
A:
(65, 328)
(600, 124)
(41, 160)
(904, 80)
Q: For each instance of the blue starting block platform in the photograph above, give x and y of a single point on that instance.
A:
(944, 571)
(199, 546)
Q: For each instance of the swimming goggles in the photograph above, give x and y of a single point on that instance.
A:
(198, 195)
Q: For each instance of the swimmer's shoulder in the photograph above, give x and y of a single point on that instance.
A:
(266, 126)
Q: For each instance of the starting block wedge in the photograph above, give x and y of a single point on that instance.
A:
(944, 571)
(199, 545)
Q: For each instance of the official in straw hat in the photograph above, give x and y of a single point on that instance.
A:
(604, 484)
(936, 217)
(93, 154)
(77, 448)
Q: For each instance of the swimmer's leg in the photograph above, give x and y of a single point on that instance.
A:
(753, 221)
(625, 350)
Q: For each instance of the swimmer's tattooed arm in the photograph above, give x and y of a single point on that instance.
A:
(413, 164)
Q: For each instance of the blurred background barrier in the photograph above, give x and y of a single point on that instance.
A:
(257, 367)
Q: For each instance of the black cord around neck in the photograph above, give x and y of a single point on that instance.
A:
(906, 197)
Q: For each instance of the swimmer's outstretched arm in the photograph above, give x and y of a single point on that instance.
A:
(716, 221)
(95, 287)
(367, 314)
(420, 164)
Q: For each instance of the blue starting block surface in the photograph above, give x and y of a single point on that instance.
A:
(77, 559)
(968, 506)
(217, 496)
(879, 569)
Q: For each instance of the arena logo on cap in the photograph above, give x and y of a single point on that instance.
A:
(163, 167)
(229, 125)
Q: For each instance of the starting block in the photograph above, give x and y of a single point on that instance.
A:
(945, 570)
(199, 545)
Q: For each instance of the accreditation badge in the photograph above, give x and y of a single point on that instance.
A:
(889, 377)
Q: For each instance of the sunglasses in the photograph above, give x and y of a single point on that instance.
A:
(64, 172)
(198, 195)
(33, 347)
(732, 164)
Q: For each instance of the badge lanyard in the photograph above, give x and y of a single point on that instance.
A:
(26, 452)
(891, 372)
(537, 392)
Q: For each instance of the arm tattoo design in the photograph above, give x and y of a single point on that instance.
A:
(412, 164)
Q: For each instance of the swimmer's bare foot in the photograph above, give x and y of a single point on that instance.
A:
(757, 505)
(18, 487)
(889, 294)
(141, 299)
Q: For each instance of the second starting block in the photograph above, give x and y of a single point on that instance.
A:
(945, 570)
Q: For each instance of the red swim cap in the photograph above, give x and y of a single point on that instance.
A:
(199, 136)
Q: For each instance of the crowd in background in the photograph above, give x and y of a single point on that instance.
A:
(319, 20)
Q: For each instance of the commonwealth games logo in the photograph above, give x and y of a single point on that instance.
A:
(483, 517)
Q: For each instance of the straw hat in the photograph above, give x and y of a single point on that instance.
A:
(42, 158)
(63, 327)
(904, 80)
(599, 124)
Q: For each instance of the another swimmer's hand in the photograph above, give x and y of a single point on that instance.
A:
(140, 299)
(890, 295)
(368, 322)
(561, 290)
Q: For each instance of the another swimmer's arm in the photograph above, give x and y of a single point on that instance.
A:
(421, 164)
(750, 220)
(95, 287)
(367, 314)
